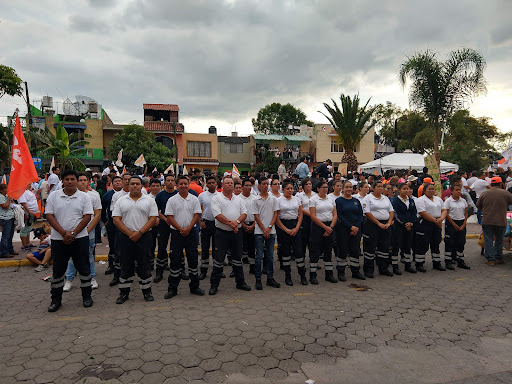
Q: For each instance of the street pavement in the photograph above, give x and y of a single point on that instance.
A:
(438, 327)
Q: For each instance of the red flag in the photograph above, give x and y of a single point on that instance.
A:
(23, 170)
(501, 161)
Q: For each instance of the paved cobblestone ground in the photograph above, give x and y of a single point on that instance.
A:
(433, 327)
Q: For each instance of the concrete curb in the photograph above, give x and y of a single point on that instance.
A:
(25, 262)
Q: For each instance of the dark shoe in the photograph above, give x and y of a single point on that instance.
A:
(14, 253)
(202, 276)
(463, 265)
(288, 281)
(170, 293)
(148, 297)
(258, 285)
(341, 276)
(369, 275)
(313, 279)
(303, 280)
(437, 266)
(397, 271)
(421, 268)
(245, 260)
(386, 272)
(222, 275)
(251, 269)
(358, 275)
(54, 306)
(197, 291)
(184, 276)
(243, 286)
(109, 271)
(232, 274)
(330, 278)
(450, 266)
(213, 291)
(121, 299)
(114, 282)
(158, 278)
(273, 283)
(88, 302)
(409, 268)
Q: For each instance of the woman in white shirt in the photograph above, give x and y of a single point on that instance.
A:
(288, 232)
(364, 189)
(428, 230)
(455, 228)
(336, 190)
(323, 218)
(376, 231)
(305, 197)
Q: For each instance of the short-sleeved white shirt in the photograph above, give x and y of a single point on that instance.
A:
(433, 208)
(265, 209)
(305, 199)
(135, 213)
(232, 209)
(479, 186)
(183, 209)
(95, 201)
(116, 196)
(53, 180)
(205, 200)
(248, 205)
(378, 207)
(333, 197)
(456, 208)
(30, 199)
(359, 197)
(289, 209)
(323, 207)
(68, 211)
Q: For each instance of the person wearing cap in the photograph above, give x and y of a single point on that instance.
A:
(493, 203)
(42, 256)
(413, 185)
(426, 181)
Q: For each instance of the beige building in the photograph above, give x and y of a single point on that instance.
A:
(200, 150)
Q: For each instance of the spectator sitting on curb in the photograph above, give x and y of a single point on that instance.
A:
(42, 256)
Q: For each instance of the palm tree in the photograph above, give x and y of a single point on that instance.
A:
(439, 88)
(351, 123)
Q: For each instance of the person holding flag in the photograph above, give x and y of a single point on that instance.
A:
(140, 162)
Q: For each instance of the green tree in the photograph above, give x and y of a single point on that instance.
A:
(135, 140)
(414, 132)
(276, 119)
(5, 140)
(10, 83)
(439, 88)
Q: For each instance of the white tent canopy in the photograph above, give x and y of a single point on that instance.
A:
(403, 161)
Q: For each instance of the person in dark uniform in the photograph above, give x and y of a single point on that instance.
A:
(106, 217)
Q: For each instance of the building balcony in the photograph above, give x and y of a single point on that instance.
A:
(163, 127)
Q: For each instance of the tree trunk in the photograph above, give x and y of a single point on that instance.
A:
(350, 158)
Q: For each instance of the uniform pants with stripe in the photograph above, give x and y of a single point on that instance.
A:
(225, 240)
(111, 236)
(428, 235)
(78, 250)
(454, 241)
(289, 244)
(207, 238)
(162, 257)
(135, 258)
(154, 239)
(376, 242)
(320, 244)
(178, 244)
(401, 242)
(348, 246)
(305, 230)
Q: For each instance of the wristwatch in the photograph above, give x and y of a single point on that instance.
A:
(73, 233)
(270, 226)
(238, 221)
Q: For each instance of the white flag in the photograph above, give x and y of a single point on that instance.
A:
(140, 162)
(4, 179)
(235, 172)
(155, 170)
(119, 163)
(185, 172)
(52, 165)
(169, 168)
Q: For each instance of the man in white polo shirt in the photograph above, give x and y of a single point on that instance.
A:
(207, 225)
(229, 212)
(53, 180)
(68, 211)
(134, 215)
(183, 211)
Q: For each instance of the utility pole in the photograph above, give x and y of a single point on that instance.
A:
(176, 150)
(29, 118)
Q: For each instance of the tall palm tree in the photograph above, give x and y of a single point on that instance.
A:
(351, 123)
(439, 88)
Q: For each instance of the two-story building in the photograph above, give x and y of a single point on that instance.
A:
(234, 150)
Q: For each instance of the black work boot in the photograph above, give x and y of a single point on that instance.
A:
(409, 268)
(396, 270)
(437, 266)
(312, 278)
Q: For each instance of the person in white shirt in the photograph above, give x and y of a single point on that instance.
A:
(376, 231)
(249, 223)
(265, 209)
(207, 225)
(107, 169)
(364, 189)
(229, 212)
(428, 230)
(69, 211)
(288, 224)
(305, 197)
(479, 186)
(281, 171)
(29, 203)
(455, 228)
(183, 211)
(155, 187)
(134, 215)
(53, 180)
(83, 185)
(323, 215)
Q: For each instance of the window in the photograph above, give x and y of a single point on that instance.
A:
(90, 153)
(199, 149)
(336, 147)
(233, 148)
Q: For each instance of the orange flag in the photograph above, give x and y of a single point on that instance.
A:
(23, 170)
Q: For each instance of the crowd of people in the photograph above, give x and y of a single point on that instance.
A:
(317, 222)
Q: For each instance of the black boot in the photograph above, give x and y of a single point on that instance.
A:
(122, 298)
(110, 269)
(303, 280)
(288, 280)
(312, 278)
(273, 283)
(449, 265)
(329, 276)
(396, 270)
(148, 296)
(358, 275)
(462, 264)
(202, 276)
(420, 268)
(114, 281)
(258, 285)
(386, 272)
(170, 293)
(341, 276)
(184, 275)
(409, 268)
(437, 266)
(55, 305)
(87, 300)
(158, 277)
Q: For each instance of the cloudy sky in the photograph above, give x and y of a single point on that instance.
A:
(221, 61)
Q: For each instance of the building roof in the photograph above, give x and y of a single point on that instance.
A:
(162, 126)
(162, 107)
(258, 136)
(297, 138)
